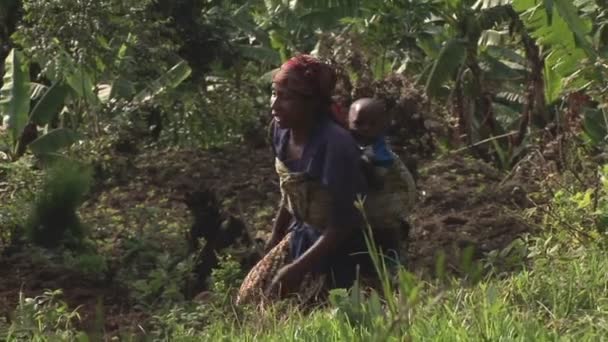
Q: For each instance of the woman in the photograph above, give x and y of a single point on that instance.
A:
(317, 237)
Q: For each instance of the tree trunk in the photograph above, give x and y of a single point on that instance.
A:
(458, 111)
(483, 100)
(535, 105)
(30, 133)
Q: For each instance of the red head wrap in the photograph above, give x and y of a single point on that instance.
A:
(308, 76)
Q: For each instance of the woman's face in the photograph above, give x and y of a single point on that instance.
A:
(288, 109)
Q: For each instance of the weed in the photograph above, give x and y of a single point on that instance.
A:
(53, 220)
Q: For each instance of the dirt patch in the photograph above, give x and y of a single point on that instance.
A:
(463, 202)
(242, 178)
(22, 274)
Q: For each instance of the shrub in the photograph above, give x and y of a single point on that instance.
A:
(53, 220)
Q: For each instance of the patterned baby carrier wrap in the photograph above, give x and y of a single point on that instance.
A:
(388, 208)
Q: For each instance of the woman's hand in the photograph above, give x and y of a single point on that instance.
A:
(289, 277)
(286, 280)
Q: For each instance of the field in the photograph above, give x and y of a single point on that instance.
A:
(137, 183)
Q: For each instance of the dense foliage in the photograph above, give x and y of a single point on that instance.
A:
(91, 88)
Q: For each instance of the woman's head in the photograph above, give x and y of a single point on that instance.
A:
(302, 89)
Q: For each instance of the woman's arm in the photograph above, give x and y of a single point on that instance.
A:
(329, 240)
(281, 222)
(289, 277)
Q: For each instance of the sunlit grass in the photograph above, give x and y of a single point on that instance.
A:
(562, 301)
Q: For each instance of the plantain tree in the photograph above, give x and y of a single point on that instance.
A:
(74, 90)
(573, 37)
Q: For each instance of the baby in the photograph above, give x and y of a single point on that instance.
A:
(368, 121)
(393, 184)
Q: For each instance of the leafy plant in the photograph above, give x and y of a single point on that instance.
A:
(44, 317)
(53, 219)
(88, 262)
(165, 283)
(15, 100)
(226, 276)
(558, 26)
(24, 181)
(14, 96)
(580, 213)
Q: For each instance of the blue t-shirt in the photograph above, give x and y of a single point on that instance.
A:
(332, 157)
(382, 153)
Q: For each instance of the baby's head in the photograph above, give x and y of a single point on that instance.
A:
(368, 119)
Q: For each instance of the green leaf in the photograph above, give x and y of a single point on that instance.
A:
(15, 94)
(507, 115)
(242, 19)
(279, 43)
(553, 84)
(585, 200)
(50, 104)
(497, 70)
(53, 141)
(339, 8)
(171, 79)
(454, 5)
(508, 54)
(328, 17)
(122, 89)
(428, 44)
(82, 84)
(566, 41)
(122, 52)
(549, 10)
(260, 53)
(579, 27)
(595, 125)
(450, 58)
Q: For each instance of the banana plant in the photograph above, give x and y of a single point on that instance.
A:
(22, 121)
(565, 35)
(471, 27)
(14, 95)
(572, 41)
(291, 25)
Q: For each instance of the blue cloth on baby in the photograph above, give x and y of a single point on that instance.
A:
(382, 153)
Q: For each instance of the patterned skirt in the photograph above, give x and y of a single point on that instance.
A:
(255, 289)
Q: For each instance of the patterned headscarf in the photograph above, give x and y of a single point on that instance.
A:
(308, 76)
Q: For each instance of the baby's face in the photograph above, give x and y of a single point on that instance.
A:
(366, 122)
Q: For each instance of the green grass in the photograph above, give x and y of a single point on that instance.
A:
(559, 296)
(550, 287)
(558, 293)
